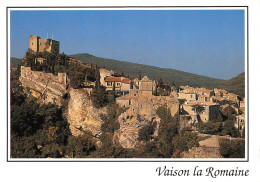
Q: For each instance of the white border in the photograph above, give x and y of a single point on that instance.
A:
(135, 159)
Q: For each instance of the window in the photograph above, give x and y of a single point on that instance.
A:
(41, 43)
(131, 85)
(130, 102)
(118, 84)
(109, 83)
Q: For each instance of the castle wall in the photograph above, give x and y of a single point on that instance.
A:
(34, 43)
(37, 44)
(50, 87)
(44, 45)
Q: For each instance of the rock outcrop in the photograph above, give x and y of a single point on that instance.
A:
(131, 122)
(202, 152)
(208, 148)
(46, 87)
(82, 115)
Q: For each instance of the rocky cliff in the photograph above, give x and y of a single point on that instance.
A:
(82, 115)
(131, 122)
(46, 87)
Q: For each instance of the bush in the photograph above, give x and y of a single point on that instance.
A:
(146, 132)
(229, 129)
(213, 128)
(232, 148)
(99, 97)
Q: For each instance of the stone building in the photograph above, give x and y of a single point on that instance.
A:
(240, 123)
(36, 44)
(142, 106)
(144, 87)
(103, 74)
(210, 112)
(189, 97)
(121, 83)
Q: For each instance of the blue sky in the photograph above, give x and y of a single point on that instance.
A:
(204, 42)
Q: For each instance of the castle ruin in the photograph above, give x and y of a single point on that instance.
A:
(36, 44)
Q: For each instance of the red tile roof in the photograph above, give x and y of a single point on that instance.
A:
(113, 79)
(126, 80)
(117, 79)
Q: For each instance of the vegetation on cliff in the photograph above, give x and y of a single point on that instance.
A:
(77, 72)
(170, 142)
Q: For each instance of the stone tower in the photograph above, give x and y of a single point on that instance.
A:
(36, 44)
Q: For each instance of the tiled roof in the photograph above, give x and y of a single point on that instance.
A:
(126, 80)
(113, 79)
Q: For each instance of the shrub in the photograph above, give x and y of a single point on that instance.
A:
(232, 148)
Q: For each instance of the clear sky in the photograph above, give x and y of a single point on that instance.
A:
(204, 42)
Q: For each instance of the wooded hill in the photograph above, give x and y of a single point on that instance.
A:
(15, 62)
(154, 73)
(235, 85)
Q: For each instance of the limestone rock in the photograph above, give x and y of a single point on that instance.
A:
(82, 115)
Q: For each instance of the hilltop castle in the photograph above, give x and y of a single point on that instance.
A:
(36, 44)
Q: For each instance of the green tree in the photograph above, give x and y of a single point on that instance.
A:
(146, 132)
(167, 130)
(198, 109)
(229, 129)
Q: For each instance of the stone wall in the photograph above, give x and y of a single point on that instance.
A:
(34, 43)
(46, 87)
(82, 115)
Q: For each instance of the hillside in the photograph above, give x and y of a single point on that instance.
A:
(15, 62)
(235, 85)
(167, 75)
